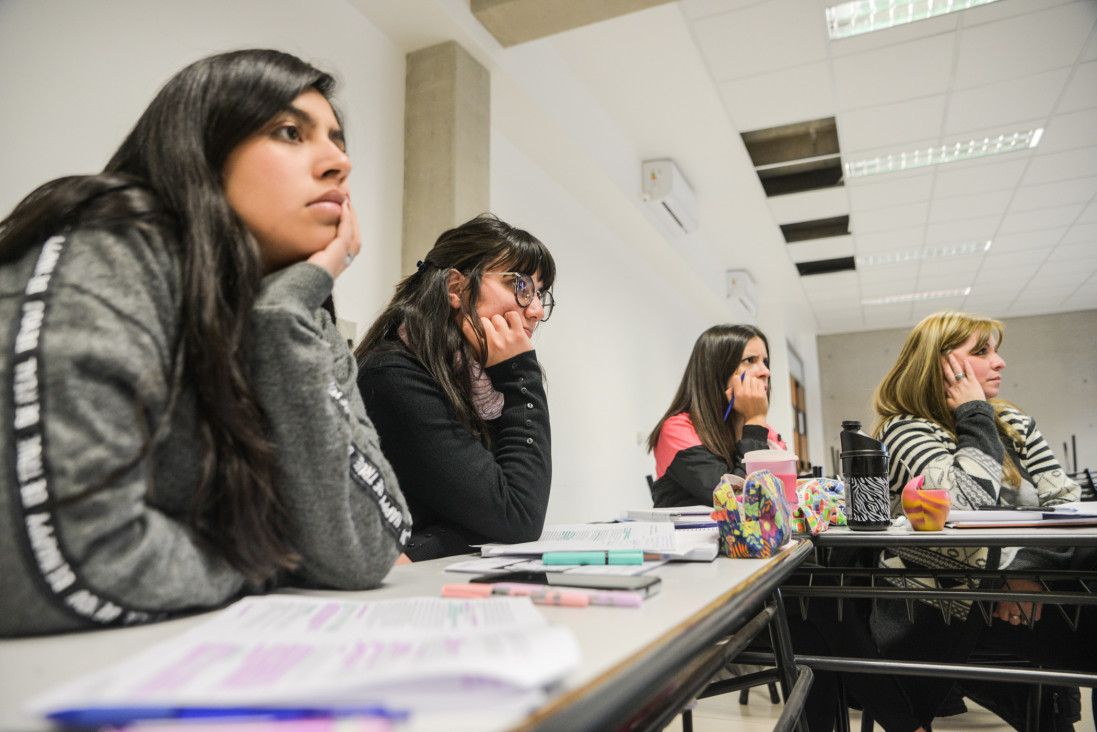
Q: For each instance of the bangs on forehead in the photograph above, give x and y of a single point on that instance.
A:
(531, 259)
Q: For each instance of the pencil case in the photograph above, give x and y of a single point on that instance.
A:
(757, 522)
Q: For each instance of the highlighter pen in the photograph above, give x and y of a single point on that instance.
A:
(539, 595)
(611, 598)
(727, 412)
(621, 556)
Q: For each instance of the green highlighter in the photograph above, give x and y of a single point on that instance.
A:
(620, 556)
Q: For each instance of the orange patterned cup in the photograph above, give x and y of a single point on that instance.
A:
(926, 509)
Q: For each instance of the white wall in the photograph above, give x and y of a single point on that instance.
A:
(75, 76)
(1051, 373)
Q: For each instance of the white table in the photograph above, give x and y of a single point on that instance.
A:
(666, 650)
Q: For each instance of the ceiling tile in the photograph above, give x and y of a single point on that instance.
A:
(1078, 255)
(1084, 298)
(883, 191)
(1001, 281)
(694, 9)
(1005, 104)
(837, 281)
(953, 232)
(1068, 269)
(760, 38)
(894, 73)
(885, 316)
(1010, 260)
(884, 273)
(1069, 131)
(947, 281)
(1044, 218)
(953, 208)
(1033, 42)
(1081, 91)
(1089, 216)
(884, 219)
(976, 176)
(1001, 10)
(1046, 238)
(965, 266)
(779, 98)
(1082, 190)
(896, 240)
(898, 125)
(816, 249)
(941, 25)
(1081, 234)
(809, 206)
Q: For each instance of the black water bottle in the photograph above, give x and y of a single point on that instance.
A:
(865, 472)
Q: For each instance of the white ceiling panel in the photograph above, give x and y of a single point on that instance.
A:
(1045, 218)
(1046, 239)
(1081, 91)
(836, 281)
(1069, 131)
(1030, 43)
(696, 9)
(891, 74)
(1002, 10)
(1081, 234)
(941, 25)
(816, 249)
(884, 273)
(1006, 104)
(1001, 281)
(761, 38)
(1064, 271)
(884, 316)
(885, 219)
(783, 97)
(961, 179)
(1080, 254)
(1079, 163)
(896, 240)
(809, 206)
(954, 208)
(884, 289)
(1084, 298)
(1049, 195)
(898, 125)
(963, 265)
(1011, 260)
(953, 232)
(885, 191)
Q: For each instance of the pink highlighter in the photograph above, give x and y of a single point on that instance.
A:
(539, 594)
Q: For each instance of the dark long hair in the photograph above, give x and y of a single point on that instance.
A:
(702, 393)
(421, 304)
(166, 178)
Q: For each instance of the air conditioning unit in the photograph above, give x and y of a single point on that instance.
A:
(742, 290)
(669, 195)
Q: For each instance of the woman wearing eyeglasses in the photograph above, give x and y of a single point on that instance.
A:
(451, 381)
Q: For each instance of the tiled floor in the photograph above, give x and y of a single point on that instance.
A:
(725, 714)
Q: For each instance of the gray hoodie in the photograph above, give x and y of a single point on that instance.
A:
(88, 326)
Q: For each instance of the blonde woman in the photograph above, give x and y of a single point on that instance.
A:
(940, 416)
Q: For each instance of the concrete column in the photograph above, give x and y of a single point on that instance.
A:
(447, 137)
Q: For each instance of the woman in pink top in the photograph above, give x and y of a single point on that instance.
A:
(717, 416)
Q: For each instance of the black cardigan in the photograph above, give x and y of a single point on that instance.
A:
(460, 492)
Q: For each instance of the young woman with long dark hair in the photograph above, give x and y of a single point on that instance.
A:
(694, 444)
(181, 420)
(449, 376)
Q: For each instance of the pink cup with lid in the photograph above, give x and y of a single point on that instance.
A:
(781, 463)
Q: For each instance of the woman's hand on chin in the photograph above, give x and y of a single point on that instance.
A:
(340, 251)
(961, 386)
(506, 337)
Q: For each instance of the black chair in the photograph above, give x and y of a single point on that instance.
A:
(1084, 478)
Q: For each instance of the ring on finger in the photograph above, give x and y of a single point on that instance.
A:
(349, 258)
(960, 376)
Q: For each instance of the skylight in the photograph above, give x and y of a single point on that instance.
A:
(917, 255)
(916, 296)
(945, 154)
(865, 16)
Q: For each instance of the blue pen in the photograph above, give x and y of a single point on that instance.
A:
(731, 404)
(94, 717)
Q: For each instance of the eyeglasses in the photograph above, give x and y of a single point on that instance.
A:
(524, 292)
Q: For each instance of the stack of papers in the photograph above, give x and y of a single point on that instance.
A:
(681, 516)
(1070, 514)
(289, 654)
(653, 537)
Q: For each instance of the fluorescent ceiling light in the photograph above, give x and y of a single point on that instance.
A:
(915, 296)
(865, 16)
(917, 255)
(945, 154)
